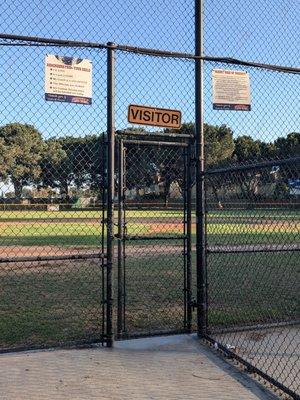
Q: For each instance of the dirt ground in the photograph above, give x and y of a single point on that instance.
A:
(42, 251)
(138, 250)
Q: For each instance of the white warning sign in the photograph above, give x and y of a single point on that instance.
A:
(68, 79)
(231, 90)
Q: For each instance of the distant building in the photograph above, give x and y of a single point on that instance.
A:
(294, 187)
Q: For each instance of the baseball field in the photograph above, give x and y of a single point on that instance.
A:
(83, 228)
(50, 302)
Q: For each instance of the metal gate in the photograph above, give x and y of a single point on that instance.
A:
(154, 234)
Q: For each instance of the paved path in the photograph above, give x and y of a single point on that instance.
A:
(169, 368)
(275, 351)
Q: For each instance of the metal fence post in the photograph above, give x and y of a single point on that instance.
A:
(103, 226)
(189, 239)
(120, 306)
(200, 169)
(110, 188)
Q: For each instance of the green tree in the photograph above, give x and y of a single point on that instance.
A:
(289, 146)
(219, 148)
(73, 162)
(166, 164)
(247, 149)
(52, 164)
(21, 150)
(219, 145)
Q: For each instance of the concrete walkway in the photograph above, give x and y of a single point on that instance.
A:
(169, 368)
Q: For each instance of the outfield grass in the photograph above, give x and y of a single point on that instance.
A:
(32, 228)
(60, 302)
(89, 234)
(74, 214)
(21, 215)
(274, 214)
(262, 213)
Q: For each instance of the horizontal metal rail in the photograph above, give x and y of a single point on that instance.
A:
(250, 367)
(236, 61)
(246, 203)
(38, 41)
(257, 327)
(65, 207)
(154, 143)
(155, 134)
(251, 167)
(179, 237)
(51, 41)
(256, 248)
(126, 335)
(52, 258)
(54, 220)
(160, 206)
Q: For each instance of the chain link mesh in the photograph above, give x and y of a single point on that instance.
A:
(154, 238)
(53, 180)
(253, 30)
(142, 23)
(253, 267)
(52, 185)
(164, 82)
(253, 222)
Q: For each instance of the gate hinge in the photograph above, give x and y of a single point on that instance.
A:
(194, 304)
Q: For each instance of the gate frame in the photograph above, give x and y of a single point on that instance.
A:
(110, 190)
(150, 139)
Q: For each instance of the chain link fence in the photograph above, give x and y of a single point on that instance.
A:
(255, 30)
(154, 240)
(52, 201)
(253, 226)
(253, 269)
(59, 183)
(152, 24)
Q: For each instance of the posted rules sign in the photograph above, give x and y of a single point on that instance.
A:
(68, 79)
(231, 90)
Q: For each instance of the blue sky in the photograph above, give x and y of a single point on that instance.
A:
(260, 30)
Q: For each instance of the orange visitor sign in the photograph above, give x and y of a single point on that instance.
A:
(144, 115)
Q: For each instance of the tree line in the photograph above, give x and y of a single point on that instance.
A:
(65, 163)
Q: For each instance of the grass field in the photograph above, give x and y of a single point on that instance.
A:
(82, 235)
(47, 303)
(82, 228)
(50, 303)
(277, 214)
